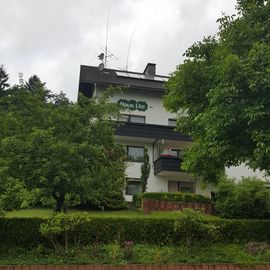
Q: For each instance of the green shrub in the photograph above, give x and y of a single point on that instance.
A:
(191, 228)
(248, 198)
(25, 232)
(14, 195)
(22, 232)
(171, 197)
(137, 200)
(63, 230)
(2, 212)
(106, 201)
(241, 230)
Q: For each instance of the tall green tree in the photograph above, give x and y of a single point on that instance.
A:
(222, 91)
(145, 170)
(60, 148)
(248, 198)
(3, 79)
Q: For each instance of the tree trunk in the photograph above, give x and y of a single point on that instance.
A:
(60, 199)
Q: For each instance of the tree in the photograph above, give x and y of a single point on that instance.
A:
(64, 230)
(192, 229)
(145, 170)
(14, 195)
(59, 147)
(221, 93)
(3, 79)
(248, 198)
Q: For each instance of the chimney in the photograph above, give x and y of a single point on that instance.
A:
(150, 69)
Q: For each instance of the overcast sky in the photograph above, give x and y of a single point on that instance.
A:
(52, 38)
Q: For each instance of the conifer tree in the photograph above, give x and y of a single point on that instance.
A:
(3, 79)
(145, 170)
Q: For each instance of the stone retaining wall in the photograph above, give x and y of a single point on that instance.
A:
(150, 205)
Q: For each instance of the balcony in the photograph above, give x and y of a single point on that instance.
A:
(150, 131)
(167, 165)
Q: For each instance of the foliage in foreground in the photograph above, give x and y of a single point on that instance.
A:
(64, 230)
(84, 230)
(51, 148)
(141, 254)
(145, 170)
(221, 93)
(248, 198)
(192, 229)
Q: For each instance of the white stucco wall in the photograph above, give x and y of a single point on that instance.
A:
(156, 183)
(155, 114)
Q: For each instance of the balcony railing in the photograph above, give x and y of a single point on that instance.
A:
(166, 164)
(150, 131)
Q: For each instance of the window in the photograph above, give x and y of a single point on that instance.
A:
(167, 152)
(137, 119)
(175, 153)
(135, 153)
(132, 118)
(133, 186)
(179, 186)
(124, 118)
(172, 122)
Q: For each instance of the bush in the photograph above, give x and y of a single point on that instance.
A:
(243, 231)
(2, 212)
(137, 200)
(105, 201)
(248, 198)
(14, 195)
(63, 230)
(170, 197)
(24, 232)
(192, 229)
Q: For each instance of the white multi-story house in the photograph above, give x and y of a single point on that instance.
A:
(146, 125)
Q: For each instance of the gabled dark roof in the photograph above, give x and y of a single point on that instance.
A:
(92, 75)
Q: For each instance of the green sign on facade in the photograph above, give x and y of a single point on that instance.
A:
(133, 105)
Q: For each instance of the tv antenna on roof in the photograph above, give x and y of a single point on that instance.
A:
(107, 31)
(101, 65)
(103, 57)
(129, 45)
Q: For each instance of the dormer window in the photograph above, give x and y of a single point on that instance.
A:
(150, 69)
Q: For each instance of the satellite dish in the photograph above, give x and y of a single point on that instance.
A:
(101, 56)
(100, 66)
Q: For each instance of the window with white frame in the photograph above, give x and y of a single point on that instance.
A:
(135, 153)
(129, 118)
(133, 186)
(176, 186)
(172, 122)
(177, 153)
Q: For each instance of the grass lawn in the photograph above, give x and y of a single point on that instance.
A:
(45, 213)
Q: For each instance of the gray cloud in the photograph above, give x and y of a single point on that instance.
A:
(53, 38)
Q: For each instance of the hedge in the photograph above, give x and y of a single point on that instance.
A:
(25, 231)
(22, 232)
